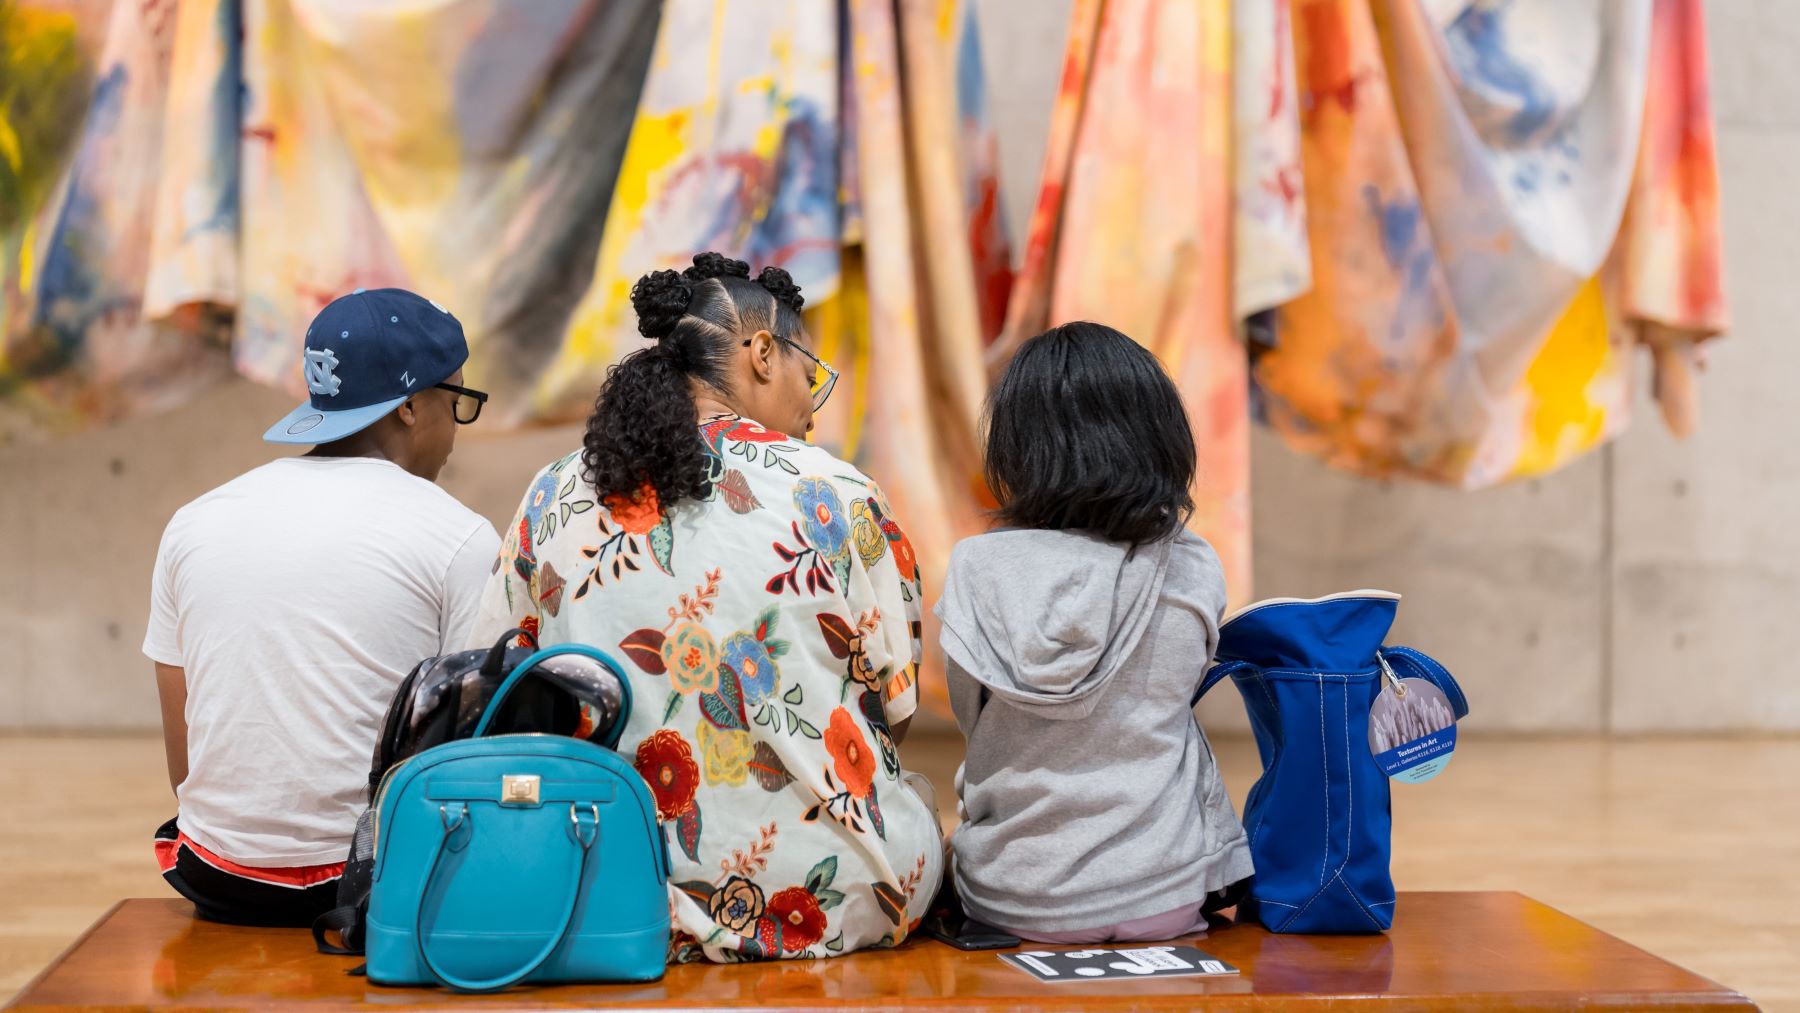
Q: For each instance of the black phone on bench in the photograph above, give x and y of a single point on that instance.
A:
(947, 922)
(965, 934)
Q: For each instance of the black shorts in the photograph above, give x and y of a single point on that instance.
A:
(223, 891)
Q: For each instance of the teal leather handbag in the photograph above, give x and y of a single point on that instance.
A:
(508, 859)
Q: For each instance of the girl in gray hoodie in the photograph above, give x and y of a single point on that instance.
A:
(1075, 636)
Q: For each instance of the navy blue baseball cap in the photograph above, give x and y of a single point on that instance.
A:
(366, 353)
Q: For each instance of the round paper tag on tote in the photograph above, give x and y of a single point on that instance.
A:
(1412, 728)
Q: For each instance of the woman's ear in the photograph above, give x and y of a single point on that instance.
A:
(762, 356)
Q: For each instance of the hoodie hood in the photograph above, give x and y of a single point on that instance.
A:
(1044, 619)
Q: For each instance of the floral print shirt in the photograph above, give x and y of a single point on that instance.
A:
(771, 636)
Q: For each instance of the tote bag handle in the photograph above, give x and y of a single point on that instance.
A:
(1217, 674)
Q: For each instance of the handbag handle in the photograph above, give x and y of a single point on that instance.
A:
(585, 836)
(518, 674)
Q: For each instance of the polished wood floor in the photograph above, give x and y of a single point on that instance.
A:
(1687, 848)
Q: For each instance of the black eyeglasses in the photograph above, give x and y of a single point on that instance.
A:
(468, 402)
(822, 382)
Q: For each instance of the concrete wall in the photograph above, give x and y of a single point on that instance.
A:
(1648, 587)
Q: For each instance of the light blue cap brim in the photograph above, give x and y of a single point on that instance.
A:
(309, 426)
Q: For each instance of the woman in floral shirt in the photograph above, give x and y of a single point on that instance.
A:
(766, 608)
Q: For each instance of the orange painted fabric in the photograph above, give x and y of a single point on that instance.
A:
(1468, 171)
(1119, 238)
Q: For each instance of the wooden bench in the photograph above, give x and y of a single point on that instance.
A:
(1447, 950)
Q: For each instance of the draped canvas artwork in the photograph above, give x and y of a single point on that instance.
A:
(464, 150)
(1467, 171)
(92, 114)
(1447, 224)
(1133, 225)
(243, 162)
(1271, 261)
(734, 148)
(922, 281)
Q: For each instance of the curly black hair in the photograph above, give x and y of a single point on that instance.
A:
(642, 431)
(1085, 431)
(781, 285)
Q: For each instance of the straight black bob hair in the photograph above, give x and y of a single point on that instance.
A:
(1085, 431)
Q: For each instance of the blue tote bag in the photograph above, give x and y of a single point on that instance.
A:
(1319, 818)
(525, 858)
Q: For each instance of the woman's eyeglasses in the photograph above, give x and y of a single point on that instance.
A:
(823, 381)
(468, 402)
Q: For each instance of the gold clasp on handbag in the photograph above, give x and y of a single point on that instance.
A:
(519, 789)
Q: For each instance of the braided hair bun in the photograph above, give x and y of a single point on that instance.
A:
(716, 265)
(661, 299)
(781, 285)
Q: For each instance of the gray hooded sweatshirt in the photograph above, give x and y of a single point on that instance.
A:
(1089, 794)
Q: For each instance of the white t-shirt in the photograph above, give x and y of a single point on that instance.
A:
(297, 597)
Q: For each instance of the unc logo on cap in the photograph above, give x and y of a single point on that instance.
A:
(319, 376)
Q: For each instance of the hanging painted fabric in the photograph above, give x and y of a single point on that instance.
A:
(257, 158)
(1464, 197)
(1670, 259)
(466, 151)
(924, 167)
(1378, 306)
(1133, 225)
(734, 148)
(120, 210)
(1271, 260)
(1521, 122)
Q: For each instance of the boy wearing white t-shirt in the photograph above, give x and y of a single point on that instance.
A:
(288, 603)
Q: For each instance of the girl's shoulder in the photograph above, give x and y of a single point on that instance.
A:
(1189, 551)
(1193, 566)
(979, 550)
(1195, 571)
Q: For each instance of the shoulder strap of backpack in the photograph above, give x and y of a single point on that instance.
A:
(347, 922)
(399, 713)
